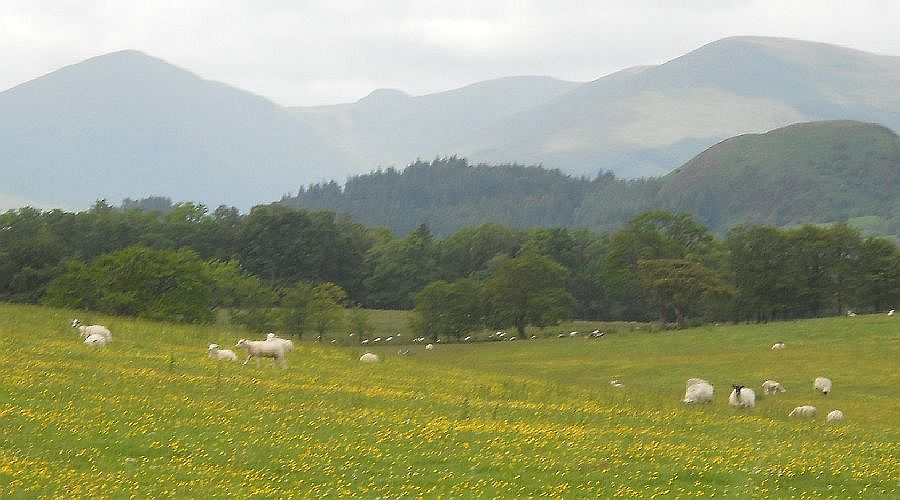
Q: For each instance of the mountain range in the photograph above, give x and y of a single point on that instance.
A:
(127, 124)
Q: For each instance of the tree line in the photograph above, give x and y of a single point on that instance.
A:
(296, 270)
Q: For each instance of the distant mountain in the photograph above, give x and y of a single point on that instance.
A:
(643, 121)
(392, 128)
(820, 172)
(129, 125)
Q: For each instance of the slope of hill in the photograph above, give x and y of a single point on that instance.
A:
(646, 122)
(126, 125)
(805, 173)
(831, 171)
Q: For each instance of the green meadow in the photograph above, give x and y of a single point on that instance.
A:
(150, 415)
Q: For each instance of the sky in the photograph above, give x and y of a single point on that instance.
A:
(303, 53)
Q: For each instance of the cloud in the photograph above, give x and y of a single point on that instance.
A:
(316, 52)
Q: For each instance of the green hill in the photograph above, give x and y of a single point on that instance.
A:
(805, 173)
(151, 416)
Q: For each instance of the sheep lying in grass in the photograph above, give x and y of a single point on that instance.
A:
(429, 347)
(772, 387)
(834, 416)
(805, 411)
(742, 397)
(369, 358)
(96, 340)
(223, 354)
(777, 346)
(698, 391)
(287, 343)
(263, 349)
(87, 330)
(822, 385)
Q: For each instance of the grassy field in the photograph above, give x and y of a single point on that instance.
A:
(151, 416)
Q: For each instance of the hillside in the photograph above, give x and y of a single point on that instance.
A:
(831, 171)
(648, 121)
(151, 416)
(129, 125)
(805, 173)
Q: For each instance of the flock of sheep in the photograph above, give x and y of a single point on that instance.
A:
(701, 391)
(697, 390)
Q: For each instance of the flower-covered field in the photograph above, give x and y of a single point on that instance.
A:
(151, 416)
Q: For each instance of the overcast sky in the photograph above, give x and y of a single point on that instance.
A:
(311, 52)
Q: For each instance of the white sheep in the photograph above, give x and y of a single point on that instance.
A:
(263, 349)
(369, 358)
(429, 347)
(822, 384)
(772, 387)
(742, 397)
(698, 391)
(891, 312)
(805, 411)
(287, 343)
(834, 416)
(223, 354)
(87, 330)
(95, 339)
(615, 383)
(777, 346)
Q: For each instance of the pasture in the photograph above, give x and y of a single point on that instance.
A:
(151, 416)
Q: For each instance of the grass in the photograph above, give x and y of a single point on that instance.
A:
(150, 415)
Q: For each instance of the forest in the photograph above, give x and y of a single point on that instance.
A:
(292, 269)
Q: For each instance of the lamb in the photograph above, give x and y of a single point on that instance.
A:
(698, 391)
(223, 354)
(287, 343)
(263, 349)
(95, 339)
(777, 346)
(369, 358)
(822, 385)
(772, 387)
(87, 330)
(834, 416)
(742, 397)
(805, 411)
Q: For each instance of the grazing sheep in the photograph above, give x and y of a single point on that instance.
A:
(429, 347)
(87, 330)
(772, 387)
(223, 354)
(263, 349)
(834, 416)
(95, 339)
(698, 391)
(287, 343)
(742, 397)
(822, 385)
(369, 358)
(777, 346)
(805, 411)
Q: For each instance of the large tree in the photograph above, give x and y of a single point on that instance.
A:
(527, 290)
(674, 285)
(447, 309)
